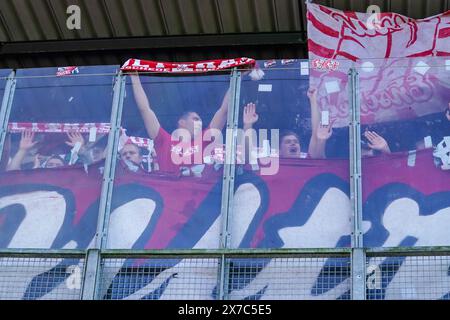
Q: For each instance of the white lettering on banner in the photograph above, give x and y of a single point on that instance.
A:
(333, 198)
(247, 200)
(126, 225)
(188, 269)
(54, 127)
(183, 270)
(200, 66)
(423, 278)
(401, 219)
(181, 67)
(321, 230)
(160, 66)
(416, 277)
(128, 222)
(44, 217)
(8, 271)
(420, 278)
(226, 63)
(182, 284)
(205, 66)
(67, 290)
(137, 63)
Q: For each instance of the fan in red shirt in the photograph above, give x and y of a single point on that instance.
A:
(184, 148)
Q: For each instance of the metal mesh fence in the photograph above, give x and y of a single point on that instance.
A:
(399, 276)
(248, 278)
(408, 278)
(151, 279)
(40, 278)
(289, 278)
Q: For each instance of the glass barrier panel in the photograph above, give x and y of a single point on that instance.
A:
(292, 181)
(53, 159)
(405, 132)
(168, 181)
(168, 185)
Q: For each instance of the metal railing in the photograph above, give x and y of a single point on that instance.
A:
(41, 274)
(252, 274)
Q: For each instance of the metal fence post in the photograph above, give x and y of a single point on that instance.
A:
(110, 163)
(93, 259)
(358, 261)
(228, 178)
(5, 108)
(90, 274)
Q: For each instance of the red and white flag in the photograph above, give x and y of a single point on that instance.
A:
(186, 67)
(402, 62)
(47, 127)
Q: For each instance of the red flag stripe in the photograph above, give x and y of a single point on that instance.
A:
(325, 9)
(347, 55)
(322, 27)
(354, 40)
(444, 33)
(320, 50)
(388, 46)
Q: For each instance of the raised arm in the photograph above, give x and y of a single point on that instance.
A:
(377, 142)
(315, 114)
(320, 133)
(220, 118)
(249, 116)
(26, 143)
(151, 122)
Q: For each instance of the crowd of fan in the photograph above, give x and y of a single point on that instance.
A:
(321, 144)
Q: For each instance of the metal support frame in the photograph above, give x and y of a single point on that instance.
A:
(5, 109)
(358, 255)
(110, 163)
(228, 177)
(93, 257)
(218, 253)
(42, 253)
(91, 274)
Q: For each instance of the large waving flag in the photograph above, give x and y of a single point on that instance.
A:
(403, 63)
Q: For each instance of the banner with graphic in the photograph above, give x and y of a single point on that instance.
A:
(402, 62)
(187, 67)
(408, 205)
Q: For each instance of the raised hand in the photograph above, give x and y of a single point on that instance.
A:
(74, 137)
(312, 94)
(26, 140)
(26, 143)
(250, 116)
(38, 160)
(324, 132)
(377, 142)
